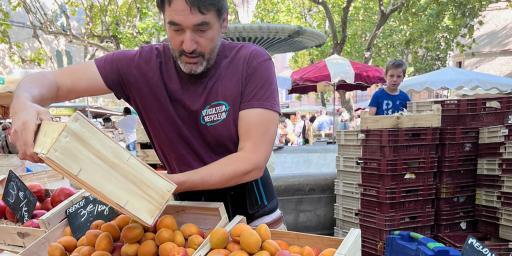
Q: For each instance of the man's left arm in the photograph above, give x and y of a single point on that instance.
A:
(257, 128)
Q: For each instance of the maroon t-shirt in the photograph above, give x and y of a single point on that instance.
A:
(192, 120)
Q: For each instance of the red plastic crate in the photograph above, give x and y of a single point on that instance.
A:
(442, 228)
(475, 120)
(410, 193)
(408, 136)
(455, 202)
(400, 179)
(458, 149)
(456, 189)
(499, 247)
(386, 207)
(506, 166)
(457, 215)
(447, 177)
(490, 182)
(397, 220)
(487, 213)
(372, 247)
(399, 165)
(472, 105)
(457, 163)
(458, 134)
(491, 229)
(376, 151)
(490, 150)
(374, 233)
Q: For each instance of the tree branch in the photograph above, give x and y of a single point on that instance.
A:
(344, 25)
(332, 24)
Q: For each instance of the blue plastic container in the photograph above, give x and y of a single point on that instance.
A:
(403, 243)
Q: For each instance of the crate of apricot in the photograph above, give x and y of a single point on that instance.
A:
(180, 231)
(49, 212)
(240, 239)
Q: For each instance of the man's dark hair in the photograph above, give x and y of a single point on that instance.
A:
(202, 6)
(396, 64)
(127, 111)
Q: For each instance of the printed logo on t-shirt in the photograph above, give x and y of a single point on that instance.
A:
(214, 113)
(387, 106)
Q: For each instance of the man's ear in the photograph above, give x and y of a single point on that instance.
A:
(224, 25)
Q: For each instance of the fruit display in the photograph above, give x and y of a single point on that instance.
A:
(46, 201)
(126, 237)
(243, 240)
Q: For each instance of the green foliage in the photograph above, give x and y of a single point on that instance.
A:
(422, 32)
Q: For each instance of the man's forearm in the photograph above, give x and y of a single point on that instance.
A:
(229, 171)
(39, 88)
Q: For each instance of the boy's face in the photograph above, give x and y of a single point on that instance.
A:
(394, 78)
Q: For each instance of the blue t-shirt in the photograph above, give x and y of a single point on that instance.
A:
(388, 104)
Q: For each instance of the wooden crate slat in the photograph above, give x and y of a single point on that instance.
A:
(85, 155)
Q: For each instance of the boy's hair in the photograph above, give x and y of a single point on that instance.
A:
(396, 64)
(202, 6)
(127, 111)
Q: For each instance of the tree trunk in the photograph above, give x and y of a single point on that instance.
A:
(336, 47)
(322, 99)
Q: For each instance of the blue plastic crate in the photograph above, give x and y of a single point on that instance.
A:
(403, 243)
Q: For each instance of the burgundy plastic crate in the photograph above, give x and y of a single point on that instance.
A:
(375, 151)
(499, 247)
(472, 105)
(397, 220)
(441, 228)
(458, 149)
(374, 233)
(491, 229)
(506, 199)
(447, 177)
(490, 182)
(457, 215)
(458, 134)
(506, 166)
(455, 202)
(386, 207)
(399, 165)
(490, 150)
(491, 118)
(372, 247)
(457, 163)
(408, 136)
(388, 194)
(487, 213)
(400, 179)
(456, 189)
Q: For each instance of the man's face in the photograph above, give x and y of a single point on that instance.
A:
(194, 38)
(394, 78)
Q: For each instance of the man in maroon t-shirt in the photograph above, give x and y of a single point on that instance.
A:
(210, 106)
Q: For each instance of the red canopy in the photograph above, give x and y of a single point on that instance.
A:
(304, 80)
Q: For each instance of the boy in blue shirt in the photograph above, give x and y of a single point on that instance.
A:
(389, 99)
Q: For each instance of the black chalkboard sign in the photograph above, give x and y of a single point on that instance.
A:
(82, 214)
(473, 247)
(19, 198)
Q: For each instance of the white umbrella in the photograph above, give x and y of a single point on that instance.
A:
(456, 78)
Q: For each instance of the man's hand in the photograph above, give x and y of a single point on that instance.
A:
(26, 116)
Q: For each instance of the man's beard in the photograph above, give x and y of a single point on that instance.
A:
(198, 68)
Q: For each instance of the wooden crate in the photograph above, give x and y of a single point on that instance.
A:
(353, 137)
(349, 246)
(420, 106)
(206, 215)
(407, 120)
(149, 156)
(86, 156)
(11, 162)
(16, 238)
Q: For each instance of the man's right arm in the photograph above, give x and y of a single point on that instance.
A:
(42, 89)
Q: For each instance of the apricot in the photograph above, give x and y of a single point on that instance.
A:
(129, 249)
(189, 229)
(250, 241)
(148, 248)
(219, 238)
(194, 241)
(56, 249)
(263, 231)
(270, 246)
(111, 228)
(68, 242)
(132, 233)
(167, 221)
(237, 230)
(104, 243)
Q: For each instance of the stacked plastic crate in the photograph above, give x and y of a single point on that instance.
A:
(489, 184)
(346, 185)
(397, 184)
(456, 180)
(505, 228)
